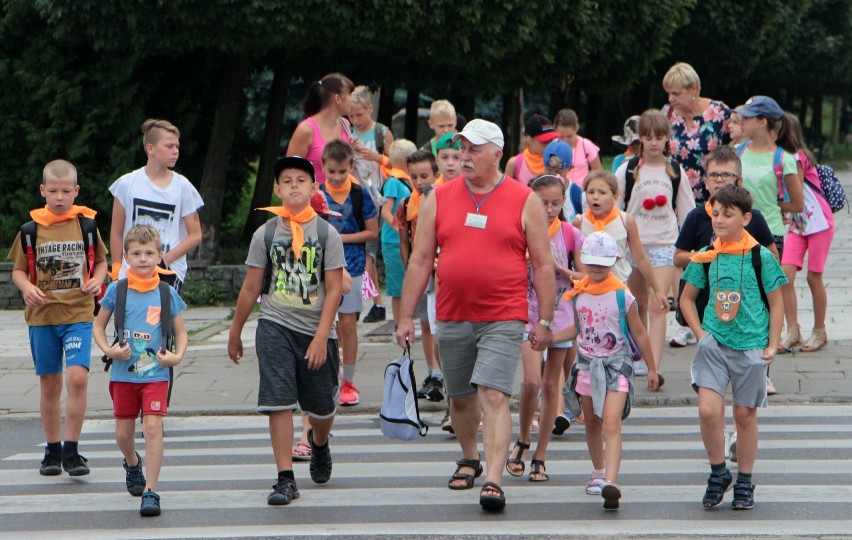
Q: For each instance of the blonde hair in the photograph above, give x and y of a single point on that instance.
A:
(59, 169)
(400, 149)
(442, 107)
(143, 234)
(152, 130)
(654, 123)
(362, 96)
(682, 75)
(605, 176)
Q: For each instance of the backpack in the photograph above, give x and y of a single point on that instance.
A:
(625, 328)
(379, 131)
(269, 235)
(121, 310)
(576, 197)
(400, 415)
(830, 188)
(89, 228)
(777, 167)
(568, 238)
(703, 297)
(630, 180)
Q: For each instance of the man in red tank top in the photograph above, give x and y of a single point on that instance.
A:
(484, 228)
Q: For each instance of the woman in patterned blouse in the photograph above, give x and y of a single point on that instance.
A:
(699, 124)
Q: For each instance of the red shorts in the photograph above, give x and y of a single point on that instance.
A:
(130, 398)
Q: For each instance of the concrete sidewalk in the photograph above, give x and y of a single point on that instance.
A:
(207, 382)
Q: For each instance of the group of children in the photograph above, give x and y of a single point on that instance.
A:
(307, 265)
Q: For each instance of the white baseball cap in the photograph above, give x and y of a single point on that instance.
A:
(480, 132)
(599, 249)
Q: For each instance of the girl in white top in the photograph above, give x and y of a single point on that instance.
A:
(157, 196)
(601, 189)
(659, 212)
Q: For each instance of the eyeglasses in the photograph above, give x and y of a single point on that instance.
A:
(724, 176)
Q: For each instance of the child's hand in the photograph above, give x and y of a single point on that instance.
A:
(317, 351)
(235, 348)
(119, 351)
(653, 381)
(33, 296)
(663, 301)
(769, 354)
(167, 358)
(93, 286)
(370, 155)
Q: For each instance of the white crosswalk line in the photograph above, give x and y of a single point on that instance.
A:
(222, 467)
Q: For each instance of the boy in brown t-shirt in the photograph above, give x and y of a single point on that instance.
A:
(59, 290)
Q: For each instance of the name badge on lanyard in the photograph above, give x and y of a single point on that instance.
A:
(477, 221)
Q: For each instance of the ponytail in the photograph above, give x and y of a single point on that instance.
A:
(791, 138)
(321, 92)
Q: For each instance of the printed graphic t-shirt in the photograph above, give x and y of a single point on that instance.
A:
(145, 203)
(61, 269)
(143, 333)
(297, 292)
(599, 323)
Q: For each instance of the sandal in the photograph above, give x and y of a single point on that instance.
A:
(474, 464)
(537, 470)
(302, 451)
(793, 339)
(320, 468)
(817, 341)
(517, 459)
(492, 503)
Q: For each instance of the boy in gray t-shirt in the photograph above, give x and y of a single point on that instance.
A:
(737, 340)
(295, 341)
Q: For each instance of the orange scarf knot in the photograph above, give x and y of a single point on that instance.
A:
(295, 221)
(143, 284)
(708, 208)
(739, 247)
(535, 162)
(554, 226)
(601, 223)
(45, 216)
(609, 284)
(339, 194)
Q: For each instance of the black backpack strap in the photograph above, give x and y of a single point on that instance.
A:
(322, 235)
(29, 232)
(268, 236)
(118, 318)
(89, 228)
(757, 263)
(165, 315)
(356, 194)
(675, 182)
(630, 179)
(379, 131)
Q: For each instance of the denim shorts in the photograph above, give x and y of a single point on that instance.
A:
(48, 344)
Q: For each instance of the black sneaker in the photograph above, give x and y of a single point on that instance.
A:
(283, 492)
(51, 465)
(150, 504)
(743, 496)
(425, 387)
(436, 389)
(134, 478)
(376, 314)
(75, 465)
(717, 485)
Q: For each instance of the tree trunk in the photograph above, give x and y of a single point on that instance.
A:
(803, 111)
(464, 103)
(386, 106)
(513, 119)
(214, 174)
(270, 148)
(835, 120)
(557, 102)
(412, 115)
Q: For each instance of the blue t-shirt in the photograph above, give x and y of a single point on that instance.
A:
(396, 190)
(355, 254)
(142, 331)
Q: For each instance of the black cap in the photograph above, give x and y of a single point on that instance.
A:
(294, 162)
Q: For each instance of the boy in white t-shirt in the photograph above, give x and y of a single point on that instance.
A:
(157, 196)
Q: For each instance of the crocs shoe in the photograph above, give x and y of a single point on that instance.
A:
(133, 477)
(717, 485)
(150, 504)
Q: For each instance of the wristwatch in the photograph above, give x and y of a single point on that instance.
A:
(546, 324)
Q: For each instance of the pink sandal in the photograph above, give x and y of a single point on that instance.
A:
(302, 451)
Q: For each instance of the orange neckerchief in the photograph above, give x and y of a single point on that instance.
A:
(143, 284)
(295, 223)
(339, 195)
(399, 173)
(740, 247)
(708, 208)
(535, 162)
(413, 208)
(554, 227)
(44, 216)
(601, 223)
(611, 283)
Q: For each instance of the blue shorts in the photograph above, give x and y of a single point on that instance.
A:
(394, 271)
(47, 344)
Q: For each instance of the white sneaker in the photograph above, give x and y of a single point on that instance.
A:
(683, 337)
(640, 368)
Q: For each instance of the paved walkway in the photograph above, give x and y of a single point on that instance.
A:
(207, 382)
